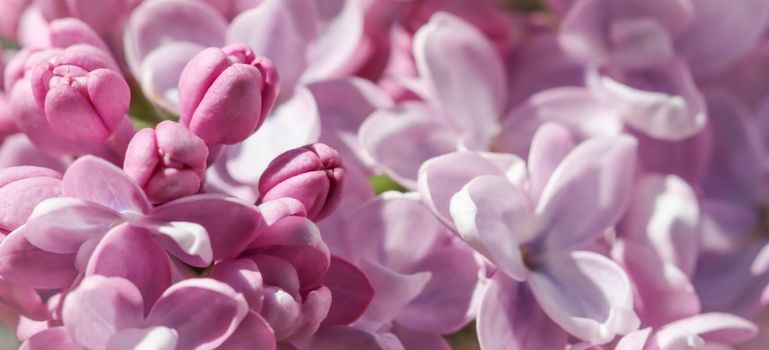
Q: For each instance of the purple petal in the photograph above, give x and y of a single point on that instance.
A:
(341, 33)
(242, 275)
(392, 291)
(663, 292)
(664, 213)
(720, 33)
(465, 74)
(402, 138)
(510, 318)
(495, 218)
(549, 147)
(586, 294)
(443, 176)
(588, 191)
(445, 304)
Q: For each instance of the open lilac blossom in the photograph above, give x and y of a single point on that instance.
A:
(384, 175)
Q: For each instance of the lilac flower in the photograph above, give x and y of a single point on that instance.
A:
(103, 219)
(534, 232)
(192, 314)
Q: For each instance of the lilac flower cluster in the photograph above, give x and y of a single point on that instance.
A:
(379, 174)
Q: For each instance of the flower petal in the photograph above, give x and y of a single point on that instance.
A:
(495, 218)
(22, 262)
(61, 225)
(96, 180)
(91, 323)
(203, 312)
(231, 224)
(152, 338)
(510, 318)
(586, 294)
(131, 253)
(465, 74)
(587, 192)
(52, 338)
(443, 176)
(400, 139)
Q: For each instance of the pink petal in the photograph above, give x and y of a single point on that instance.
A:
(92, 324)
(465, 74)
(443, 176)
(664, 213)
(341, 33)
(663, 102)
(445, 304)
(382, 230)
(586, 294)
(242, 275)
(23, 299)
(203, 312)
(550, 145)
(721, 33)
(61, 225)
(22, 262)
(187, 241)
(412, 339)
(588, 191)
(253, 333)
(298, 241)
(131, 253)
(294, 22)
(663, 292)
(247, 161)
(158, 338)
(402, 138)
(160, 72)
(510, 318)
(342, 337)
(495, 218)
(721, 328)
(95, 180)
(343, 106)
(351, 292)
(154, 24)
(230, 223)
(53, 338)
(392, 290)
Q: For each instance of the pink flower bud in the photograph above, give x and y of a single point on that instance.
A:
(168, 162)
(21, 189)
(82, 97)
(312, 174)
(225, 94)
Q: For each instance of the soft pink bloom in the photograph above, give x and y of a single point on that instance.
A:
(112, 313)
(82, 96)
(104, 224)
(168, 162)
(535, 232)
(225, 94)
(21, 189)
(313, 175)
